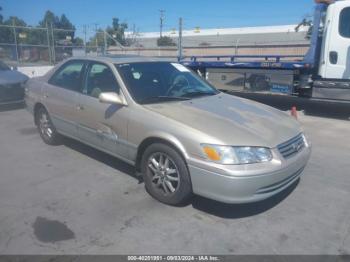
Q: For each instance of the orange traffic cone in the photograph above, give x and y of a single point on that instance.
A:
(294, 112)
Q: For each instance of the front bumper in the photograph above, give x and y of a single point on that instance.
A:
(12, 102)
(11, 94)
(246, 183)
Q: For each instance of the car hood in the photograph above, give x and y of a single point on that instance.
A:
(231, 120)
(9, 77)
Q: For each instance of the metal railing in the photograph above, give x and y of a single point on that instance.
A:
(26, 45)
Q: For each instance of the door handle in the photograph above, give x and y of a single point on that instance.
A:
(101, 134)
(333, 57)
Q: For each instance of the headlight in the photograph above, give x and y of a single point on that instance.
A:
(306, 142)
(229, 155)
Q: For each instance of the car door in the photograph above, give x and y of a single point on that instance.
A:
(102, 125)
(60, 95)
(337, 47)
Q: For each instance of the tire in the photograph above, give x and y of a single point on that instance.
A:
(46, 128)
(161, 165)
(306, 93)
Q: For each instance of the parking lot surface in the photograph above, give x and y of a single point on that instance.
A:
(72, 199)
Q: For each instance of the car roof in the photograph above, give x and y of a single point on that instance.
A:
(122, 59)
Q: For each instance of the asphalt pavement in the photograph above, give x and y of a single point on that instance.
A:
(72, 199)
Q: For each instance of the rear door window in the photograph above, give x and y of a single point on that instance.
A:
(344, 23)
(69, 76)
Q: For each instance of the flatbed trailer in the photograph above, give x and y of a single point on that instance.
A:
(323, 73)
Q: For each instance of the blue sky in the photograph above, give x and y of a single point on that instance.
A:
(145, 13)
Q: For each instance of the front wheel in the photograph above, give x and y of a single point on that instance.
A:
(166, 175)
(46, 128)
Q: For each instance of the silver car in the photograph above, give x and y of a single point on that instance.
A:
(182, 134)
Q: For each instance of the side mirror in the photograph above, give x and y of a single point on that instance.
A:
(111, 98)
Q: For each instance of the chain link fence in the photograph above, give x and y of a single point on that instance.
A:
(22, 45)
(26, 46)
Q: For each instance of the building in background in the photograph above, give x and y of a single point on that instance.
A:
(284, 40)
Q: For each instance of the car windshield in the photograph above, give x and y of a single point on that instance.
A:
(153, 82)
(3, 66)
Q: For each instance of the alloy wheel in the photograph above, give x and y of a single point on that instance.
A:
(165, 174)
(45, 125)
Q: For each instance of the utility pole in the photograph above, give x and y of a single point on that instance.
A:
(15, 37)
(84, 30)
(105, 42)
(161, 22)
(48, 43)
(53, 44)
(179, 46)
(237, 44)
(96, 42)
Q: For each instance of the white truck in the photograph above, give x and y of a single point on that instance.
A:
(323, 73)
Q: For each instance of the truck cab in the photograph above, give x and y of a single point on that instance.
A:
(335, 52)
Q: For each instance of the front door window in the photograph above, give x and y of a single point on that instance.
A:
(344, 23)
(100, 78)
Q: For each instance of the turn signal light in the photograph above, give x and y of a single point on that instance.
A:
(211, 153)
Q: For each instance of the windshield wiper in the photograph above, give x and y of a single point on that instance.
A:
(198, 93)
(154, 99)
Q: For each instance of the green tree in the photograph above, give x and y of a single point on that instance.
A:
(61, 37)
(65, 24)
(78, 41)
(24, 35)
(117, 32)
(14, 20)
(27, 35)
(50, 19)
(7, 33)
(165, 41)
(98, 39)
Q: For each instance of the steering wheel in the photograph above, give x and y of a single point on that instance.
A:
(178, 84)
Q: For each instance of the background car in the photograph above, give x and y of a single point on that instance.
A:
(11, 85)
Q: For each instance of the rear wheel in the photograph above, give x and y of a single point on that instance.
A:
(46, 128)
(166, 175)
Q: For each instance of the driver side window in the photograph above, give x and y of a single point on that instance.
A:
(100, 79)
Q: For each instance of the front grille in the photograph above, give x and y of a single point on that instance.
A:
(292, 146)
(11, 92)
